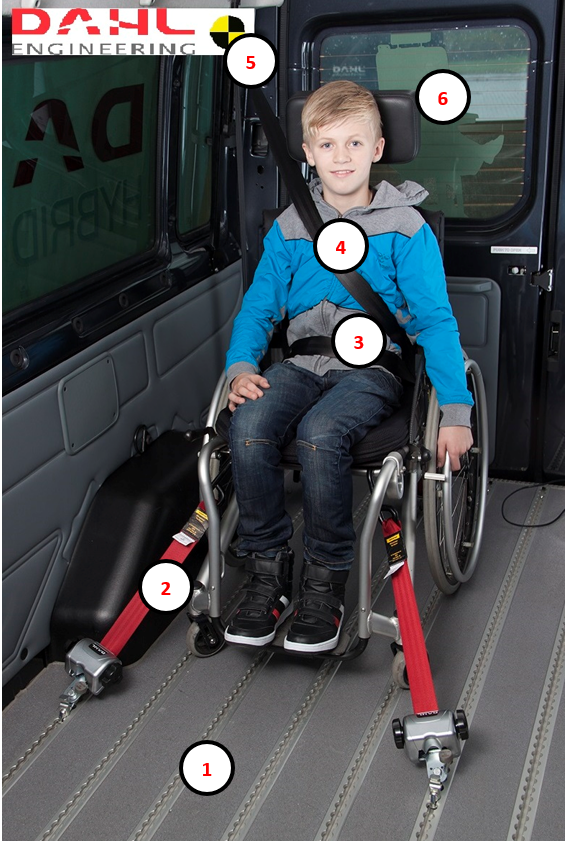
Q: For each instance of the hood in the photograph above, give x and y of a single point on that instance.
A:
(387, 196)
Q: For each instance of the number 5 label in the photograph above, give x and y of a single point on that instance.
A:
(250, 60)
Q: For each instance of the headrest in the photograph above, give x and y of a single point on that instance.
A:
(400, 119)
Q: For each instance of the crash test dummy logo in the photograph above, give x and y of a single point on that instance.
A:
(144, 31)
(226, 29)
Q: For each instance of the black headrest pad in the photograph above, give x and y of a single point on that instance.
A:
(400, 119)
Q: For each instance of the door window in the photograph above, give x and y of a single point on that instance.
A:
(474, 168)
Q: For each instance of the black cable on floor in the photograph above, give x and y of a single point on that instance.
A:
(532, 486)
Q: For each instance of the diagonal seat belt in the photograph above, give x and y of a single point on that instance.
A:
(305, 206)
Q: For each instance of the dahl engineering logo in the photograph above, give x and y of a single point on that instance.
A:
(146, 31)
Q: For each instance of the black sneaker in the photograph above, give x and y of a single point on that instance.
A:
(266, 602)
(319, 614)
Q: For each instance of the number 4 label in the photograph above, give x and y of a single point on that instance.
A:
(341, 247)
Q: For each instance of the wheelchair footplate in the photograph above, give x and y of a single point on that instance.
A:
(346, 648)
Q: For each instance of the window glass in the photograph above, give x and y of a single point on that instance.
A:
(79, 165)
(196, 150)
(473, 168)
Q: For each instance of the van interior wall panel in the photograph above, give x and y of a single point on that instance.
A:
(476, 305)
(47, 490)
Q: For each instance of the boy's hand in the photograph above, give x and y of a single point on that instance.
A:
(246, 386)
(455, 439)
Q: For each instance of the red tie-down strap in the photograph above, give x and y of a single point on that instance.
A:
(417, 663)
(136, 610)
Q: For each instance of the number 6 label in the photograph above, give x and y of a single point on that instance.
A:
(443, 96)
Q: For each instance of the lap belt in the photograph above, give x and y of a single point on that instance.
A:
(324, 346)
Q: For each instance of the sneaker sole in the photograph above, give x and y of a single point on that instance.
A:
(319, 647)
(239, 638)
(248, 639)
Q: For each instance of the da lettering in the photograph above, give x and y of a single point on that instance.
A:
(56, 111)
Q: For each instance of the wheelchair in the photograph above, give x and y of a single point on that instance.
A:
(398, 458)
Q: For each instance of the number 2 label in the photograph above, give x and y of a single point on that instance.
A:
(166, 590)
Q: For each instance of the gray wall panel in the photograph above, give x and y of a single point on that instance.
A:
(32, 436)
(49, 490)
(177, 336)
(131, 365)
(26, 578)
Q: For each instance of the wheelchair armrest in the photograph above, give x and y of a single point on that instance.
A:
(218, 402)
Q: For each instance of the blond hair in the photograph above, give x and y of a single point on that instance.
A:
(338, 102)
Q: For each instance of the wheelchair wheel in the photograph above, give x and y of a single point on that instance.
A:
(454, 508)
(198, 645)
(399, 670)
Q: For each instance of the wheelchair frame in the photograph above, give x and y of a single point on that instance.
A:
(394, 481)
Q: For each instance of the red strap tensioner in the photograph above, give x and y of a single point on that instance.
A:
(136, 610)
(417, 663)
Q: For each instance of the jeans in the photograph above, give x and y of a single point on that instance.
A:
(328, 414)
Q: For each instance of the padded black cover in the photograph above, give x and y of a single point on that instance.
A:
(129, 525)
(400, 121)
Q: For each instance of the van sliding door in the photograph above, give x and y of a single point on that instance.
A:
(490, 172)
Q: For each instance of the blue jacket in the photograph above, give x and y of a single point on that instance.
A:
(403, 265)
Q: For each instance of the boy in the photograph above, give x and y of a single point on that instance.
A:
(327, 405)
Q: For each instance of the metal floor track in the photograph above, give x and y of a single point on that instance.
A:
(311, 741)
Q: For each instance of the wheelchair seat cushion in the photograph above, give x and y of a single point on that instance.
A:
(391, 434)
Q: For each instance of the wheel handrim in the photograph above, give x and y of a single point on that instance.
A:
(460, 548)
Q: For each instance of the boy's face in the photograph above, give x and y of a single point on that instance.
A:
(342, 155)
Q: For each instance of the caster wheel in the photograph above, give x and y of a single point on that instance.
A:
(199, 646)
(399, 670)
(398, 731)
(461, 724)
